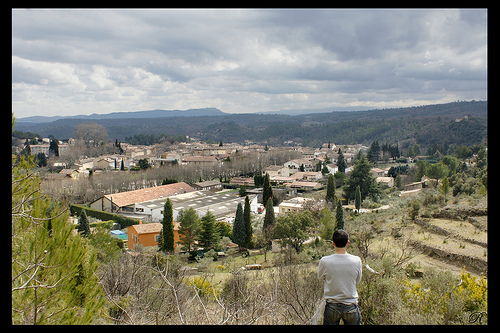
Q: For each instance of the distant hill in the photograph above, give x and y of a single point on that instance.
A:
(129, 115)
(427, 124)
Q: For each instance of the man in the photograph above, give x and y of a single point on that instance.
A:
(341, 271)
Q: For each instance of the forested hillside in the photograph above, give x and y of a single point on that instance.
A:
(460, 123)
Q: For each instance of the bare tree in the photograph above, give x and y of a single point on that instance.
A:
(91, 133)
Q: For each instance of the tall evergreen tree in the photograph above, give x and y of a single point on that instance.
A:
(269, 221)
(189, 227)
(52, 269)
(248, 222)
(341, 164)
(357, 198)
(167, 233)
(360, 176)
(83, 224)
(239, 232)
(339, 216)
(330, 189)
(267, 191)
(209, 236)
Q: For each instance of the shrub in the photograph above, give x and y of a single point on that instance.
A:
(204, 287)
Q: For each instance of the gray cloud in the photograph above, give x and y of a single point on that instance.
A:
(86, 61)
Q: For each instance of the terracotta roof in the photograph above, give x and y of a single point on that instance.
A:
(151, 228)
(146, 194)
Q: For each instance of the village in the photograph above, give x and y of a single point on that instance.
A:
(420, 218)
(224, 171)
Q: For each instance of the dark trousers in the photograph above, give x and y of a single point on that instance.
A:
(349, 313)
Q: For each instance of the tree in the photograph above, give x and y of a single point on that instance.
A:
(357, 198)
(189, 228)
(326, 224)
(248, 222)
(209, 237)
(91, 132)
(269, 223)
(445, 188)
(330, 190)
(83, 224)
(143, 164)
(438, 171)
(339, 216)
(167, 232)
(267, 191)
(360, 176)
(239, 232)
(373, 154)
(341, 164)
(52, 269)
(122, 166)
(293, 228)
(54, 147)
(41, 160)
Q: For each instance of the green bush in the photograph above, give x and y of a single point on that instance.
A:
(125, 222)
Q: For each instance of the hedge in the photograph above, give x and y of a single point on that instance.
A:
(125, 222)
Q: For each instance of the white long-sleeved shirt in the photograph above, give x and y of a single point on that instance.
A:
(341, 273)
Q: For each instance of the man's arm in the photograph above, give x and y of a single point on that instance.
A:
(321, 270)
(360, 272)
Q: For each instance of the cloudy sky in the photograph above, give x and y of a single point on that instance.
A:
(67, 62)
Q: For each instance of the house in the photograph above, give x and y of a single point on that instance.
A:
(276, 170)
(293, 205)
(103, 163)
(200, 160)
(303, 185)
(376, 172)
(332, 168)
(125, 202)
(73, 173)
(385, 181)
(242, 181)
(209, 185)
(148, 234)
(294, 165)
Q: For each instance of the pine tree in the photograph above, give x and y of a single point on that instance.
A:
(357, 198)
(167, 233)
(83, 224)
(330, 189)
(239, 232)
(248, 222)
(267, 191)
(209, 236)
(189, 227)
(339, 216)
(53, 280)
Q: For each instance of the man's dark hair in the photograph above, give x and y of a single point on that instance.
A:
(340, 238)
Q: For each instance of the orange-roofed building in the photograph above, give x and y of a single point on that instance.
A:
(148, 234)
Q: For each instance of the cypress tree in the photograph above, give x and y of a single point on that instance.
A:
(357, 198)
(339, 215)
(267, 191)
(341, 162)
(239, 232)
(248, 222)
(167, 233)
(330, 189)
(269, 221)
